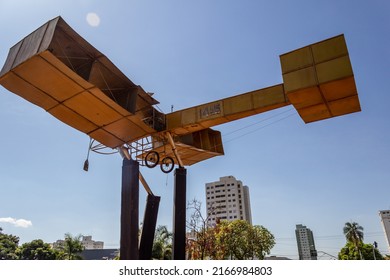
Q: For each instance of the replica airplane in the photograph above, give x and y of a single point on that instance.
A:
(57, 70)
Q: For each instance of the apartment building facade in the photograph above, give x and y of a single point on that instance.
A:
(227, 199)
(305, 241)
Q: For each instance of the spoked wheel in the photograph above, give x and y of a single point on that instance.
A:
(167, 164)
(152, 158)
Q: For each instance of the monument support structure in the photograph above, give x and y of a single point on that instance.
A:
(149, 227)
(179, 214)
(129, 210)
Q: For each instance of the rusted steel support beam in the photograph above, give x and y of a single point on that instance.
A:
(179, 214)
(149, 227)
(129, 210)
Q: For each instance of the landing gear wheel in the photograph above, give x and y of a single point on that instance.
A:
(167, 164)
(151, 159)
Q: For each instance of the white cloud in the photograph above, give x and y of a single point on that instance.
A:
(16, 222)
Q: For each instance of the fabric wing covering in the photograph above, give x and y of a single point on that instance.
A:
(56, 69)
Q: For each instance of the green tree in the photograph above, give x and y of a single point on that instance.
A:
(242, 241)
(36, 250)
(8, 245)
(72, 248)
(261, 241)
(354, 234)
(365, 251)
(162, 245)
(231, 239)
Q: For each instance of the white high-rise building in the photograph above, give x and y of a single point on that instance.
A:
(385, 220)
(305, 240)
(227, 199)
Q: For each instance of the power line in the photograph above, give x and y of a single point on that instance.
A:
(262, 127)
(260, 121)
(338, 236)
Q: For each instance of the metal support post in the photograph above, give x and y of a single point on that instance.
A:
(129, 210)
(149, 227)
(179, 214)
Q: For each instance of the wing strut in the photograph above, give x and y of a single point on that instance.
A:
(172, 143)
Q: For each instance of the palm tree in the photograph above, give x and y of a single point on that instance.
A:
(72, 247)
(162, 245)
(354, 233)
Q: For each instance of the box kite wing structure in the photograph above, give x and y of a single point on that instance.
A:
(319, 81)
(57, 70)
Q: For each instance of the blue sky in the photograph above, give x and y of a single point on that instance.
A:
(191, 52)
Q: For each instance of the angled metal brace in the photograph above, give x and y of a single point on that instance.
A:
(174, 150)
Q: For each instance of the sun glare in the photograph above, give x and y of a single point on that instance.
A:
(93, 19)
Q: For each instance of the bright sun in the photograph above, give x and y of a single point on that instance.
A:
(93, 19)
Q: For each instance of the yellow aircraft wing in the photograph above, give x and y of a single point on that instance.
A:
(56, 69)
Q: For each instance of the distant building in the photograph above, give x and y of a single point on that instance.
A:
(99, 254)
(305, 240)
(90, 244)
(87, 242)
(276, 258)
(227, 199)
(385, 220)
(58, 244)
